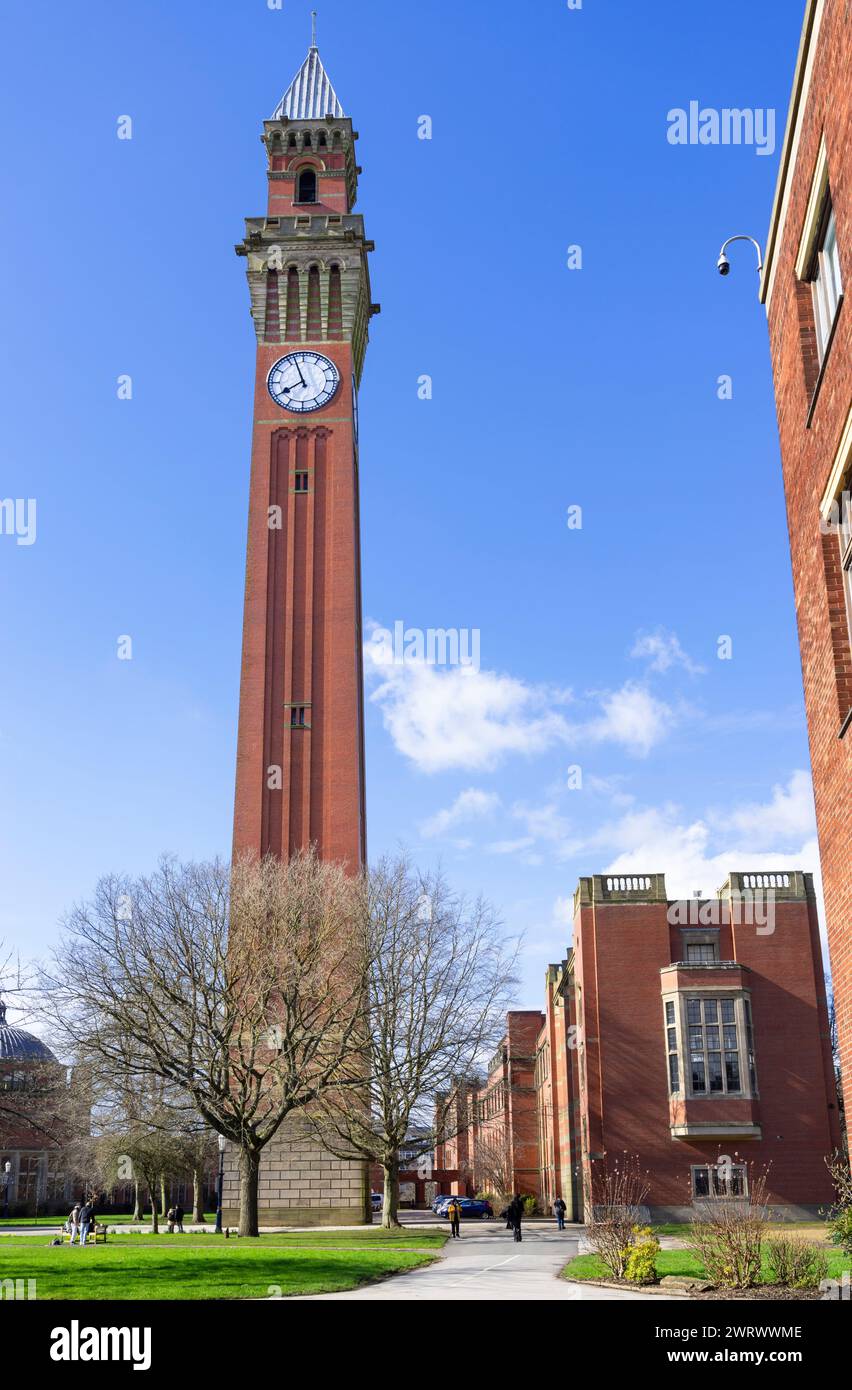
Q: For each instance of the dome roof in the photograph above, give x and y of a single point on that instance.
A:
(19, 1046)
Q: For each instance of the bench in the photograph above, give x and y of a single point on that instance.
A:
(97, 1236)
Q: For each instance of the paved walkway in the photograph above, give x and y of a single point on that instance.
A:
(487, 1265)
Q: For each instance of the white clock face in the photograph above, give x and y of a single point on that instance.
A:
(303, 381)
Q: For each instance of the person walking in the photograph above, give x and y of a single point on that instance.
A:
(170, 1217)
(454, 1213)
(179, 1215)
(559, 1209)
(85, 1219)
(516, 1216)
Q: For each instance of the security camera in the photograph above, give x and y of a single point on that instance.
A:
(723, 265)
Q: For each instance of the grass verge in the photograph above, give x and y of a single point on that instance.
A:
(684, 1264)
(136, 1267)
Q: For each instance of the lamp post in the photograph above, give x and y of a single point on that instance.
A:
(7, 1178)
(222, 1142)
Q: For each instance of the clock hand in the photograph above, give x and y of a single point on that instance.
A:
(301, 378)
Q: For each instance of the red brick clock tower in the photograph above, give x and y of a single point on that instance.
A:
(300, 754)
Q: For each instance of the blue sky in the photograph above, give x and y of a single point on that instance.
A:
(552, 388)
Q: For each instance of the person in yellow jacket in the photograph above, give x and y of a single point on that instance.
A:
(454, 1213)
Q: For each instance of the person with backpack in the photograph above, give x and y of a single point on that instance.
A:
(559, 1209)
(454, 1213)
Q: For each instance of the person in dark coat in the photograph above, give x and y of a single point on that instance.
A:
(516, 1215)
(559, 1209)
(179, 1215)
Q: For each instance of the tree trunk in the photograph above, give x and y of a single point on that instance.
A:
(390, 1205)
(137, 1202)
(162, 1195)
(249, 1173)
(198, 1196)
(155, 1225)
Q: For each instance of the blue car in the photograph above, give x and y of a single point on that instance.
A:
(470, 1207)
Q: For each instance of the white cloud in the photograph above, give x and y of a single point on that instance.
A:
(459, 717)
(790, 813)
(563, 911)
(511, 846)
(698, 854)
(469, 805)
(662, 651)
(632, 717)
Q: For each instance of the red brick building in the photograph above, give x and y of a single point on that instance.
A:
(300, 751)
(808, 265)
(682, 1032)
(493, 1144)
(32, 1089)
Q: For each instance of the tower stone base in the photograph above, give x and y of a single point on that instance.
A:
(301, 1184)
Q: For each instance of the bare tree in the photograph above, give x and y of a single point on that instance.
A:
(154, 1154)
(834, 1039)
(493, 1164)
(614, 1196)
(439, 981)
(239, 988)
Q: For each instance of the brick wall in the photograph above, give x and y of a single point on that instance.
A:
(810, 432)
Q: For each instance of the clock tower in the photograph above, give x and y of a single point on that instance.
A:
(300, 753)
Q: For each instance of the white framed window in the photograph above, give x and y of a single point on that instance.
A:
(709, 1045)
(845, 538)
(702, 952)
(672, 1047)
(718, 1180)
(713, 1045)
(826, 281)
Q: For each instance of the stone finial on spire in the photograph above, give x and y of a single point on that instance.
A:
(313, 28)
(2, 1013)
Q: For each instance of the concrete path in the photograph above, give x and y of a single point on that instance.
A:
(487, 1265)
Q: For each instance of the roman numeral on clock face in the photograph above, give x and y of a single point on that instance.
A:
(302, 382)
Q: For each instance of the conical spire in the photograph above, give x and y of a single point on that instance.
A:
(310, 95)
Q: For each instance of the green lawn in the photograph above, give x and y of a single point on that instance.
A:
(684, 1263)
(200, 1267)
(122, 1220)
(418, 1238)
(813, 1230)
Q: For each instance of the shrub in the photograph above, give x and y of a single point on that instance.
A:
(613, 1198)
(840, 1214)
(840, 1230)
(530, 1206)
(641, 1263)
(796, 1262)
(727, 1234)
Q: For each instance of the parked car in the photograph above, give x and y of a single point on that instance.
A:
(377, 1201)
(470, 1207)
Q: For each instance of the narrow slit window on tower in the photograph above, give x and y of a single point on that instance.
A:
(301, 483)
(299, 717)
(306, 186)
